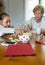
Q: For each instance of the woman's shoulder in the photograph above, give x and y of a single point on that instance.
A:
(32, 19)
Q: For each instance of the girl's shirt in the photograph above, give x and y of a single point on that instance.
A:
(4, 30)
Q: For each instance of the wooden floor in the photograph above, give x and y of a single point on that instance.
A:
(39, 59)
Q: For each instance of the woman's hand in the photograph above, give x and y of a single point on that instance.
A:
(18, 31)
(43, 31)
(26, 29)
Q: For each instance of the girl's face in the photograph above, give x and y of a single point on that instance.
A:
(38, 14)
(6, 21)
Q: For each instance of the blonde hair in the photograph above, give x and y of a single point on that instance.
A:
(38, 7)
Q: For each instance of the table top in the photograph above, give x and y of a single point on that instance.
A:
(39, 59)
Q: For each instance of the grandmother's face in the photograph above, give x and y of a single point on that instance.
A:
(38, 14)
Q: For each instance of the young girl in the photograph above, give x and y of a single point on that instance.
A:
(5, 25)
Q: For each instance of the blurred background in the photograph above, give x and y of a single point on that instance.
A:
(20, 11)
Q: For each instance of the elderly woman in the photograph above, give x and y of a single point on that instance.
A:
(37, 22)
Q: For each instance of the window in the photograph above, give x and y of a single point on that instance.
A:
(43, 4)
(29, 5)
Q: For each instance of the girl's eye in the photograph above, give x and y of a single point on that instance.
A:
(8, 21)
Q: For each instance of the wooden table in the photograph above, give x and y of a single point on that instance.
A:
(39, 59)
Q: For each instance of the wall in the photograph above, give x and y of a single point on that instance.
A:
(15, 8)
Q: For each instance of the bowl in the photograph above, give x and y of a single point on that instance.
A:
(24, 38)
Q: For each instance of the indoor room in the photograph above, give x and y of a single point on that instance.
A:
(22, 32)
